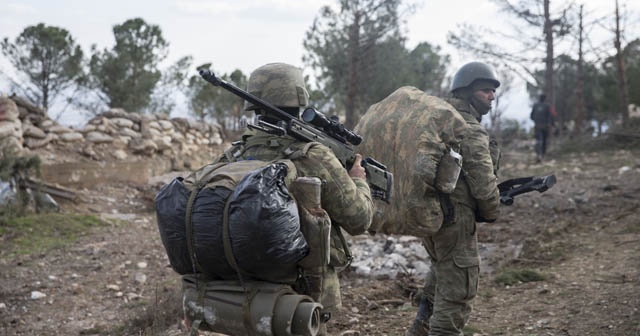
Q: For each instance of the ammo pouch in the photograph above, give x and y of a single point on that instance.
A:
(448, 171)
(315, 224)
(327, 245)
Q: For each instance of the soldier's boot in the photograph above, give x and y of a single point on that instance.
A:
(420, 326)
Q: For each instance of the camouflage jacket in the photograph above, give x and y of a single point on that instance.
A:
(477, 187)
(347, 200)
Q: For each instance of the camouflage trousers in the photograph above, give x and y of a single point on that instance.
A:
(452, 281)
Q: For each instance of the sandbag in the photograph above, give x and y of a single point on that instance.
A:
(412, 131)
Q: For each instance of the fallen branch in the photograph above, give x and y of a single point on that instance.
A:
(53, 190)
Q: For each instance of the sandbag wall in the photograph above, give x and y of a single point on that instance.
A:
(28, 127)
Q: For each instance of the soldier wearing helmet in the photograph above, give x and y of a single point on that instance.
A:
(345, 196)
(452, 281)
(281, 85)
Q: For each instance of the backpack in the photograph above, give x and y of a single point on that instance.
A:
(415, 132)
(233, 220)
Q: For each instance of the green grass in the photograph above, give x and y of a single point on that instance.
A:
(39, 233)
(512, 276)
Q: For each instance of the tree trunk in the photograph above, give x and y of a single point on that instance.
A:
(548, 74)
(622, 78)
(579, 119)
(352, 87)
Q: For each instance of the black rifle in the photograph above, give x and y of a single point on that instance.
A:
(315, 126)
(517, 186)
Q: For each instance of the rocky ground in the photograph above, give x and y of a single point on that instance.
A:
(583, 236)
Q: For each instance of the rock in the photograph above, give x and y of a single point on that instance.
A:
(623, 170)
(140, 278)
(120, 154)
(35, 295)
(133, 296)
(114, 288)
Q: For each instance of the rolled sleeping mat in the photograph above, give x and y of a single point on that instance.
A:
(258, 308)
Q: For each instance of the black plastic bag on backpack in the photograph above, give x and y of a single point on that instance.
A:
(206, 218)
(264, 225)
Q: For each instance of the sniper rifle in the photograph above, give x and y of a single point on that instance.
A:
(517, 186)
(315, 126)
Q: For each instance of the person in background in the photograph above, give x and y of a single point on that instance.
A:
(542, 116)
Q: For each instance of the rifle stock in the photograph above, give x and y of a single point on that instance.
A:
(517, 186)
(314, 126)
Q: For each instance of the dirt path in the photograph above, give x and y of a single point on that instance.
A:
(583, 235)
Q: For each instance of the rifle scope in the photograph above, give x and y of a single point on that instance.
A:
(318, 119)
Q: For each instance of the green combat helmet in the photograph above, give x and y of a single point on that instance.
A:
(471, 72)
(279, 84)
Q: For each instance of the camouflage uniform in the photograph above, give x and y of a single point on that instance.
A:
(347, 200)
(454, 249)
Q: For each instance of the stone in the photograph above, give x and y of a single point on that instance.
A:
(120, 154)
(36, 295)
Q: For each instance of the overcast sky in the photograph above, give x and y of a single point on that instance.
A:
(245, 34)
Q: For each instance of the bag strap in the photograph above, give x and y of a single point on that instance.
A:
(344, 244)
(189, 228)
(226, 242)
(195, 325)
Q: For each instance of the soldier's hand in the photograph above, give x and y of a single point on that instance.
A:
(357, 170)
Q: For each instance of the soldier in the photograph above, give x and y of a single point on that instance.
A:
(345, 196)
(542, 116)
(452, 281)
